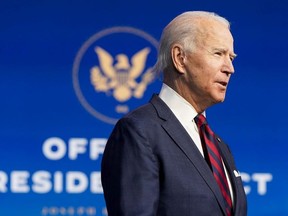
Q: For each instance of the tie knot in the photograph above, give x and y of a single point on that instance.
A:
(200, 120)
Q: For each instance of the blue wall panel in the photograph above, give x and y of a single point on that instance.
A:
(54, 120)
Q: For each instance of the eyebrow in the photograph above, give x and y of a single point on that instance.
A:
(233, 55)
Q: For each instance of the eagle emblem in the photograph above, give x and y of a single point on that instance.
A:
(118, 76)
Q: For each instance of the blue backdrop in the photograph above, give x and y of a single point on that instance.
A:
(59, 103)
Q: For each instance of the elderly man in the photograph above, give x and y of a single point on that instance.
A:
(163, 158)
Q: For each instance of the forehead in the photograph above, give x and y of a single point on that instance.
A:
(214, 33)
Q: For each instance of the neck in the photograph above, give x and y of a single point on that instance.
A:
(199, 106)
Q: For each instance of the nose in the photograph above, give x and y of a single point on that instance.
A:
(228, 67)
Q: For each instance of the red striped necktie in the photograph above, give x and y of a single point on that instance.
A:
(214, 159)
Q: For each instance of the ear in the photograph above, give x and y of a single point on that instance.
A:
(178, 57)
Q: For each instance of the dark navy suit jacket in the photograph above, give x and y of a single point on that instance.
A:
(152, 167)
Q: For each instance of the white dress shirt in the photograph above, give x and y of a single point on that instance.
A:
(186, 113)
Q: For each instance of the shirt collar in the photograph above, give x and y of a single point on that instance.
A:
(181, 108)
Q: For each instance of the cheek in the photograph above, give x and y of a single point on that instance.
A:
(212, 73)
(203, 73)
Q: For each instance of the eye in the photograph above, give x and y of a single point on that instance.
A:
(232, 58)
(218, 53)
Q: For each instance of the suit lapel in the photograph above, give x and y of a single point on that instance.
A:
(178, 133)
(230, 167)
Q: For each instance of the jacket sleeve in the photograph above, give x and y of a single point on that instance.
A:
(129, 172)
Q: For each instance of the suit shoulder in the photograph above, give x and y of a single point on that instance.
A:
(145, 112)
(143, 120)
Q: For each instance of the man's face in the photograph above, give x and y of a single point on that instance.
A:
(209, 67)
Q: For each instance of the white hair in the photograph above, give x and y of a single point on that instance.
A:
(183, 29)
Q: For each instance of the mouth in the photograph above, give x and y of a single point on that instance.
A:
(223, 83)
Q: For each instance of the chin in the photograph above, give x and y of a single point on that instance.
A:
(219, 99)
(222, 99)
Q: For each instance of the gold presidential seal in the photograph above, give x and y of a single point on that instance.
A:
(113, 70)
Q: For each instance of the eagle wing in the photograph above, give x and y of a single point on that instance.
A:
(106, 62)
(98, 81)
(138, 62)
